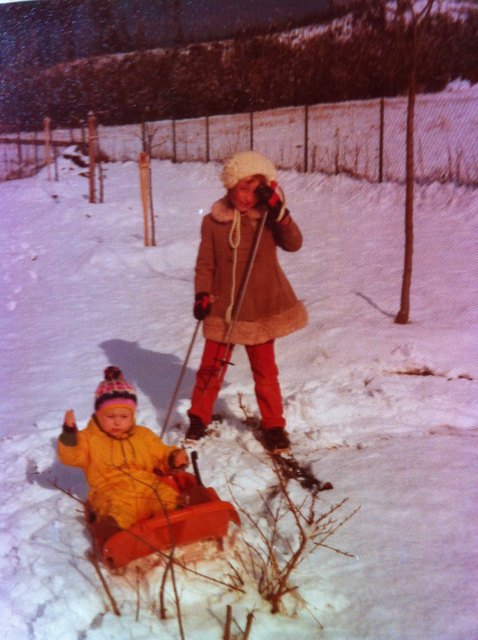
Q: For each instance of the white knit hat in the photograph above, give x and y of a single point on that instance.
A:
(245, 164)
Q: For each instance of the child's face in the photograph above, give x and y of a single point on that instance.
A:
(242, 195)
(116, 421)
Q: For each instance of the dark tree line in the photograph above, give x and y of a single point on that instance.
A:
(42, 33)
(247, 73)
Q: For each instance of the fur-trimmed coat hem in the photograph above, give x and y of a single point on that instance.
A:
(260, 330)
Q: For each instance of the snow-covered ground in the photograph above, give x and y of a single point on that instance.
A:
(80, 291)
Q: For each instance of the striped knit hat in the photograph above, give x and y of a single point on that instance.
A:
(114, 391)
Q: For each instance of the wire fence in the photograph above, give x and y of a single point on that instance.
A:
(365, 139)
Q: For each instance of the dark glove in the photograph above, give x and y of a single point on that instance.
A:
(271, 198)
(202, 305)
(69, 430)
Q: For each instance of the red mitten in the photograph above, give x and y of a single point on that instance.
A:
(202, 305)
(271, 197)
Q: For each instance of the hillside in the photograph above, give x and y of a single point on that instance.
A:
(307, 66)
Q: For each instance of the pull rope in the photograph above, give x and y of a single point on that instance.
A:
(234, 241)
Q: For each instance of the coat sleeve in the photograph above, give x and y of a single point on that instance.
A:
(74, 454)
(288, 235)
(161, 452)
(205, 261)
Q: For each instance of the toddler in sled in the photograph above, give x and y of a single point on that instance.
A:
(122, 461)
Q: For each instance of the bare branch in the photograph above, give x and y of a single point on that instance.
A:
(94, 561)
(265, 560)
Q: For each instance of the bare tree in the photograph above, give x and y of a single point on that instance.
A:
(411, 19)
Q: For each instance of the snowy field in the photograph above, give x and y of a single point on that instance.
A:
(79, 291)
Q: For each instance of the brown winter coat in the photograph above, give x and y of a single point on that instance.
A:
(270, 308)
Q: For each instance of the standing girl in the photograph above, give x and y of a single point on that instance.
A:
(268, 307)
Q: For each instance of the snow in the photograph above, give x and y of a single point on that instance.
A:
(80, 291)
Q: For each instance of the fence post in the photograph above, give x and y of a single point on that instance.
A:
(92, 154)
(35, 149)
(174, 159)
(208, 155)
(143, 135)
(6, 159)
(251, 130)
(337, 152)
(145, 191)
(101, 176)
(46, 125)
(306, 138)
(381, 139)
(19, 156)
(55, 162)
(151, 204)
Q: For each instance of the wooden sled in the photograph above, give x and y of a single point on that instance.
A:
(207, 520)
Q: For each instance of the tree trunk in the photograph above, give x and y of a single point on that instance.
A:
(403, 315)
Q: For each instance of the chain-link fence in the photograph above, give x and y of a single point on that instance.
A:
(364, 138)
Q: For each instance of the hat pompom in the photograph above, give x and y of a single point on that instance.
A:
(114, 390)
(244, 164)
(112, 373)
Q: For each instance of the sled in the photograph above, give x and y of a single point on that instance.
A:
(207, 520)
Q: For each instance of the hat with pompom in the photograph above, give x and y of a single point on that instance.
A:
(114, 391)
(245, 164)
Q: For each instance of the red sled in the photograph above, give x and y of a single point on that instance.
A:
(204, 521)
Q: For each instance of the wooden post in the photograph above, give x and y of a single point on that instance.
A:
(92, 137)
(46, 124)
(144, 184)
(381, 140)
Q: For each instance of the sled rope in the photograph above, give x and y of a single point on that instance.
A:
(234, 241)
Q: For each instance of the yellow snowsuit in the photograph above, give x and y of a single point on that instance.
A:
(120, 472)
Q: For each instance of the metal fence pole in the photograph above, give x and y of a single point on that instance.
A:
(208, 155)
(46, 124)
(174, 159)
(92, 154)
(251, 130)
(381, 140)
(19, 156)
(306, 138)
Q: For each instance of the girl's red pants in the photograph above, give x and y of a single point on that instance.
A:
(266, 379)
